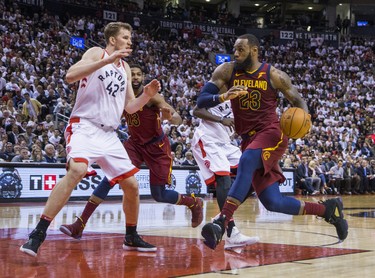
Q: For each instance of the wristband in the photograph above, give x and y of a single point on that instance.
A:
(221, 119)
(221, 98)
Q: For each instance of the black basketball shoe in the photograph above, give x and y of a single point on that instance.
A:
(213, 232)
(36, 238)
(335, 216)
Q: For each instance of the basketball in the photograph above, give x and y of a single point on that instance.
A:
(295, 122)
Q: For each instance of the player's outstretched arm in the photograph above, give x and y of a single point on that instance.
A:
(167, 112)
(92, 61)
(150, 90)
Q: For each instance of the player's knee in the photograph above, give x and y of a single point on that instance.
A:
(130, 186)
(157, 194)
(158, 198)
(77, 171)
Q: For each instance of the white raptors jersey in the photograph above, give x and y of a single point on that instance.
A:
(101, 95)
(217, 131)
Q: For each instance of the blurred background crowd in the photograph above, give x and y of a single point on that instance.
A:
(337, 157)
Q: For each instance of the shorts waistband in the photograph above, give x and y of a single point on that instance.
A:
(99, 125)
(155, 139)
(246, 136)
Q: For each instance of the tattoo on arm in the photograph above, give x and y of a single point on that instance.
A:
(284, 83)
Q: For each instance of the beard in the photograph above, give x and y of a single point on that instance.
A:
(136, 86)
(243, 66)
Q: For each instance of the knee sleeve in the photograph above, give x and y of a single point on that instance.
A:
(102, 190)
(160, 194)
(223, 184)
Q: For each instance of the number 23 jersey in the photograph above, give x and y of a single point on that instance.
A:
(256, 110)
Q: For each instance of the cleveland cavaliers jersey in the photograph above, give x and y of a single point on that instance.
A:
(256, 110)
(144, 125)
(101, 95)
(217, 131)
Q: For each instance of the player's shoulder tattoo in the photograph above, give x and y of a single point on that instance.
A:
(280, 78)
(224, 71)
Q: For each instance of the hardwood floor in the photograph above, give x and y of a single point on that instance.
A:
(290, 246)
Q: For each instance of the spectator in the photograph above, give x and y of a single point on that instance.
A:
(352, 180)
(50, 153)
(62, 107)
(18, 100)
(29, 134)
(366, 151)
(312, 174)
(31, 108)
(364, 172)
(48, 122)
(37, 155)
(55, 138)
(61, 154)
(13, 134)
(189, 160)
(302, 178)
(8, 153)
(24, 156)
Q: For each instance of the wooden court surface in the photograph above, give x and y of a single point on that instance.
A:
(290, 246)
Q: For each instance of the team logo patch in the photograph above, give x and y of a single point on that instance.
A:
(207, 163)
(266, 155)
(261, 74)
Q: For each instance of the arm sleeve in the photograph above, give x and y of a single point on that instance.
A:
(209, 96)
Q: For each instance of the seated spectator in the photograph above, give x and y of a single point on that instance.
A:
(189, 160)
(24, 156)
(365, 150)
(352, 180)
(48, 122)
(337, 177)
(37, 155)
(177, 158)
(302, 178)
(364, 172)
(62, 107)
(61, 154)
(14, 134)
(315, 179)
(55, 138)
(321, 171)
(29, 134)
(8, 152)
(10, 107)
(50, 153)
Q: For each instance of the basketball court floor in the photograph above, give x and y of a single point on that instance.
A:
(290, 246)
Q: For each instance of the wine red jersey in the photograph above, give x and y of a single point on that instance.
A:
(256, 110)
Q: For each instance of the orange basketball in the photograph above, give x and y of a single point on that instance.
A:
(295, 122)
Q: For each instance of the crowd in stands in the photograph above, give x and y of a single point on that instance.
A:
(337, 157)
